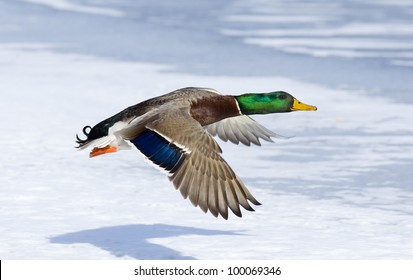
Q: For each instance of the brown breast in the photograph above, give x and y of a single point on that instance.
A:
(208, 110)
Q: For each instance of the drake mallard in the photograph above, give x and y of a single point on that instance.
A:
(175, 131)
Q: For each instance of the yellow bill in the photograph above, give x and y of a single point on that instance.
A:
(299, 106)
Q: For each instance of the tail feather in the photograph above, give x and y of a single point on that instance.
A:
(83, 142)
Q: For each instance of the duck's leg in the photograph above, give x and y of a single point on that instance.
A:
(100, 151)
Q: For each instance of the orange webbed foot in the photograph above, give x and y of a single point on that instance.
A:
(100, 151)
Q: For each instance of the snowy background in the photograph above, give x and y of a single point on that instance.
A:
(341, 188)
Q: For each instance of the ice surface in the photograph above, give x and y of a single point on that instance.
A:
(72, 6)
(380, 29)
(340, 188)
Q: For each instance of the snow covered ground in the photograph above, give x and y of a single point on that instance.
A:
(339, 189)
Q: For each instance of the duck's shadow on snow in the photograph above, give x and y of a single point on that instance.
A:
(132, 240)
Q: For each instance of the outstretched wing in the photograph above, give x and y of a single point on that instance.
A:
(177, 143)
(240, 129)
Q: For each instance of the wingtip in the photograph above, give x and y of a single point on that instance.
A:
(254, 201)
(224, 216)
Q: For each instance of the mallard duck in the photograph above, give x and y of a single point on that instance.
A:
(175, 131)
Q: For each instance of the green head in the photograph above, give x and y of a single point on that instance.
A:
(272, 102)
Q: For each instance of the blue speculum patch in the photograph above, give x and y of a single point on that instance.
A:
(159, 150)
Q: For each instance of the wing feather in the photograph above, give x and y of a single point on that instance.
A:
(204, 177)
(174, 141)
(240, 129)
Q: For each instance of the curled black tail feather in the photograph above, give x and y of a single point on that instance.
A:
(82, 142)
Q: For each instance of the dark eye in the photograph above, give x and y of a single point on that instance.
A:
(282, 96)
